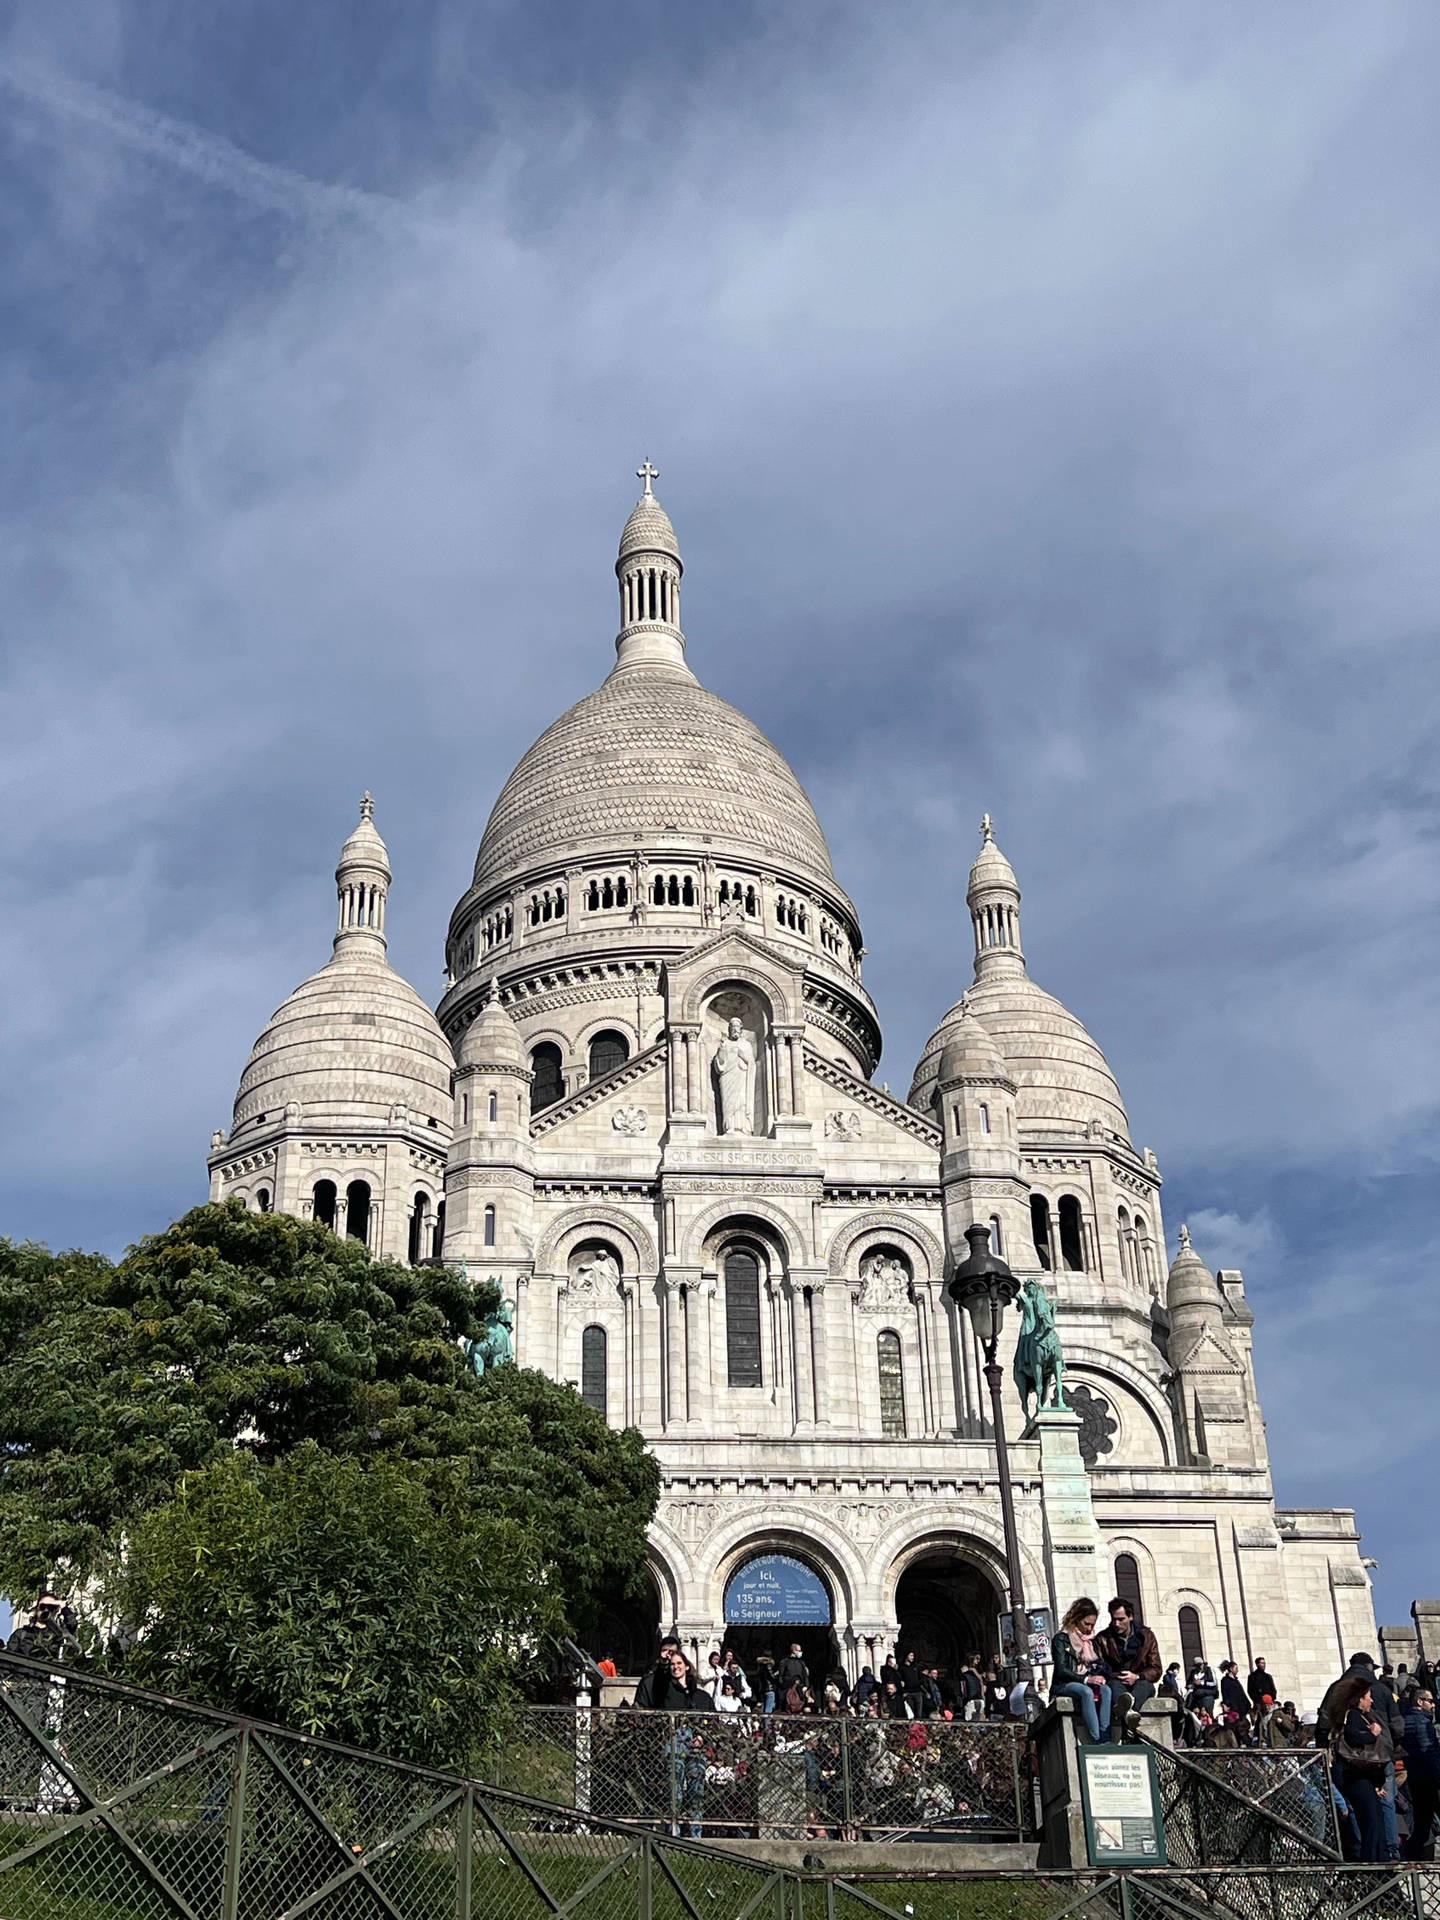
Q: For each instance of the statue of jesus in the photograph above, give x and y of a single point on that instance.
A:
(734, 1073)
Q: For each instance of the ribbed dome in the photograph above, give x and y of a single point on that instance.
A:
(649, 754)
(1191, 1283)
(350, 1043)
(1062, 1074)
(648, 530)
(969, 1052)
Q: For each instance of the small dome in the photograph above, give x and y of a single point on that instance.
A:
(648, 530)
(1062, 1076)
(364, 848)
(991, 868)
(351, 1042)
(969, 1053)
(1191, 1282)
(491, 1039)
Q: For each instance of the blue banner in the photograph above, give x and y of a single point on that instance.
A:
(776, 1591)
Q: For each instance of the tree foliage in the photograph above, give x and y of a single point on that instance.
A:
(373, 1601)
(189, 1380)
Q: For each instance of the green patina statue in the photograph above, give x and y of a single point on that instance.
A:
(494, 1345)
(1039, 1363)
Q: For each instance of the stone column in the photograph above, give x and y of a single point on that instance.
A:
(799, 1324)
(820, 1349)
(675, 1403)
(700, 1350)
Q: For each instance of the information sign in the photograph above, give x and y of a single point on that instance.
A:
(1121, 1795)
(1041, 1626)
(776, 1590)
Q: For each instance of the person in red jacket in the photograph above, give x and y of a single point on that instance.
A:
(1132, 1653)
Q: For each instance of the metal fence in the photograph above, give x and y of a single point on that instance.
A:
(1252, 1807)
(777, 1776)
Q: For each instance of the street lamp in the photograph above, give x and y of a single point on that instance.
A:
(985, 1286)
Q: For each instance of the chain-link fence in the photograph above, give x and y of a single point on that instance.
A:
(122, 1805)
(1257, 1807)
(777, 1776)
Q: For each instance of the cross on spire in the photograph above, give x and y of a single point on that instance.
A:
(987, 829)
(647, 473)
(367, 807)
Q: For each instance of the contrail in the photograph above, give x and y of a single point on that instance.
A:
(202, 155)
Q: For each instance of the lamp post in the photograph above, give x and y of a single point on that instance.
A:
(985, 1286)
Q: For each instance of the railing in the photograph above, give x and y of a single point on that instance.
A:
(777, 1776)
(1253, 1807)
(122, 1805)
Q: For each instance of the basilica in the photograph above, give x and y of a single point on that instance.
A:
(646, 1108)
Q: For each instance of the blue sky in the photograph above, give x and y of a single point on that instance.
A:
(1047, 400)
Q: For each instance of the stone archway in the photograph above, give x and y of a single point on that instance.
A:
(948, 1608)
(776, 1599)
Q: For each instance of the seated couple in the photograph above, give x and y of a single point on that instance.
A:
(1107, 1673)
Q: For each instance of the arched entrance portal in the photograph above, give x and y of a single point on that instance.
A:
(775, 1600)
(627, 1630)
(947, 1608)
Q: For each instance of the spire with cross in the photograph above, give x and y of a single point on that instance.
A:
(987, 828)
(647, 473)
(367, 807)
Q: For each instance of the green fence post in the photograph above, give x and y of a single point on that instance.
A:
(1126, 1911)
(847, 1795)
(642, 1885)
(463, 1860)
(235, 1830)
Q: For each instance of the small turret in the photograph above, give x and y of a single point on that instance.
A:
(980, 1177)
(649, 569)
(993, 898)
(362, 883)
(487, 1207)
(1211, 1381)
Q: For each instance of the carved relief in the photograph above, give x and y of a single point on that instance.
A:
(844, 1124)
(884, 1282)
(594, 1272)
(630, 1120)
(690, 1520)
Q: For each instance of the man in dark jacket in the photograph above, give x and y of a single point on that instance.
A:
(1260, 1683)
(1132, 1653)
(49, 1634)
(1422, 1749)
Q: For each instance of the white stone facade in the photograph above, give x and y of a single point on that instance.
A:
(663, 1141)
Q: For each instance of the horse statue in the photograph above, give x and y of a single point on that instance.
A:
(1039, 1363)
(494, 1345)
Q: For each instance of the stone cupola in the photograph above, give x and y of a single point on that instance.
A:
(993, 898)
(649, 569)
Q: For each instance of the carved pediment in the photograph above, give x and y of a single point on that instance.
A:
(1209, 1354)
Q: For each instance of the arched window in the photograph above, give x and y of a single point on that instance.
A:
(357, 1210)
(592, 1369)
(892, 1385)
(322, 1203)
(672, 891)
(592, 896)
(489, 1226)
(262, 1199)
(548, 1085)
(984, 1118)
(1072, 1245)
(419, 1221)
(608, 1051)
(494, 1106)
(1122, 1222)
(622, 892)
(996, 1244)
(687, 892)
(742, 1317)
(1127, 1583)
(1040, 1230)
(439, 1229)
(1192, 1647)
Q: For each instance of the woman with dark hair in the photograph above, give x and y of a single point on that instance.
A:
(1360, 1775)
(1078, 1669)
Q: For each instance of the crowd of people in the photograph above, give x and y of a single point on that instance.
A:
(1376, 1724)
(904, 1689)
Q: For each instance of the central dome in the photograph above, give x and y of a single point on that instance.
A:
(651, 758)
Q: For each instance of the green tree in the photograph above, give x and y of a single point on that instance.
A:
(377, 1602)
(235, 1331)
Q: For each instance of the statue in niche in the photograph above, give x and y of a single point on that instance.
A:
(884, 1283)
(594, 1270)
(735, 1079)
